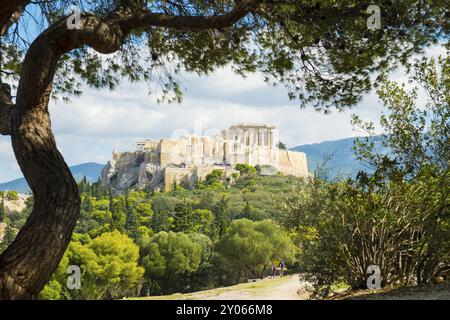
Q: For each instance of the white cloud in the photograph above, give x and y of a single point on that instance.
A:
(8, 166)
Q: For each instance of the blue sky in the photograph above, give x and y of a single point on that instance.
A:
(91, 126)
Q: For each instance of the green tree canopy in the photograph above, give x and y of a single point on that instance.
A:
(322, 51)
(2, 211)
(251, 247)
(168, 256)
(245, 168)
(109, 268)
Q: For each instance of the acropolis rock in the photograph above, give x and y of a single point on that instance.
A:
(156, 165)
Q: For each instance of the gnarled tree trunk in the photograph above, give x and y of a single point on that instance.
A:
(28, 263)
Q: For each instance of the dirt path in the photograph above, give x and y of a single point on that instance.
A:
(286, 290)
(267, 289)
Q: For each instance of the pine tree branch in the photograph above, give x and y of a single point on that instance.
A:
(105, 36)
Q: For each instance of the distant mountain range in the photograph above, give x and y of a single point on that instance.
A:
(90, 170)
(342, 163)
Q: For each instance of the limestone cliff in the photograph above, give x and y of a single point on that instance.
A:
(131, 170)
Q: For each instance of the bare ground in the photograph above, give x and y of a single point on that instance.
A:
(286, 288)
(422, 292)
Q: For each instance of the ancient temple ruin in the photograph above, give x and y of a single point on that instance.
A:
(157, 164)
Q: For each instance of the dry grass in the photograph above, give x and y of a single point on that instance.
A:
(421, 292)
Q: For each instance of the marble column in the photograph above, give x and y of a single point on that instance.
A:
(271, 139)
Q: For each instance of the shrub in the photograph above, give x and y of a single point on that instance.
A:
(244, 168)
(250, 247)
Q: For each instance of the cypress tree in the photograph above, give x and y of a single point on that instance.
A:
(220, 214)
(2, 211)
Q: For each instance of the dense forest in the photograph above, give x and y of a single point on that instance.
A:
(225, 231)
(143, 242)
